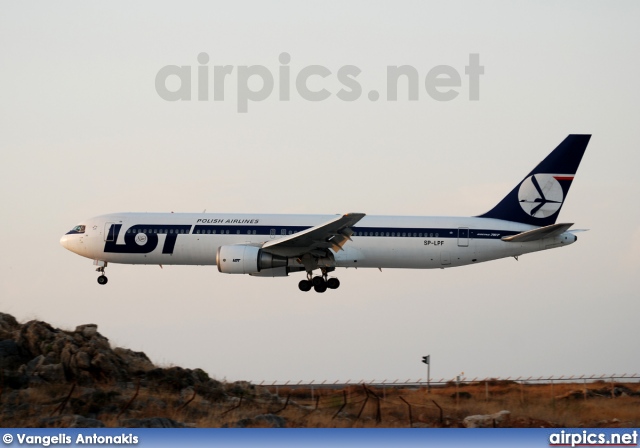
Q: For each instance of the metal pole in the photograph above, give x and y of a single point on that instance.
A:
(429, 377)
(457, 391)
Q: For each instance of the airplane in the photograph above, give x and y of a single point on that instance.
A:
(275, 245)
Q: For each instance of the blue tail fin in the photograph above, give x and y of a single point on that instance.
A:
(538, 199)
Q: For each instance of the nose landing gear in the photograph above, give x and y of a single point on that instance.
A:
(102, 280)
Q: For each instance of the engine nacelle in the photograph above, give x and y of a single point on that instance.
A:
(242, 259)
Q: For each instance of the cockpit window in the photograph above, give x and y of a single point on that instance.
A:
(77, 229)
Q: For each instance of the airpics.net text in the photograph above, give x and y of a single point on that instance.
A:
(256, 83)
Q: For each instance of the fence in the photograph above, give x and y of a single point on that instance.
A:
(442, 381)
(393, 401)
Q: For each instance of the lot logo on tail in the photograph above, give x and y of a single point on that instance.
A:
(541, 195)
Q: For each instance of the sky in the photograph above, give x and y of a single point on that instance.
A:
(84, 131)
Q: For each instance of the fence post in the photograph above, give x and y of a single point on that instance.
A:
(344, 395)
(410, 414)
(613, 395)
(441, 412)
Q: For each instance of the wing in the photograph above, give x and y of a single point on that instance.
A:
(538, 234)
(316, 240)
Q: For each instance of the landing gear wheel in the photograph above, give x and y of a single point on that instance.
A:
(333, 283)
(318, 281)
(304, 285)
(320, 288)
(103, 280)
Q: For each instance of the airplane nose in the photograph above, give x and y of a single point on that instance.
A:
(64, 242)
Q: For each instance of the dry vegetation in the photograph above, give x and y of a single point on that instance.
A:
(245, 405)
(530, 405)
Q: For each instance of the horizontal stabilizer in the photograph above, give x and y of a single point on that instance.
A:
(538, 234)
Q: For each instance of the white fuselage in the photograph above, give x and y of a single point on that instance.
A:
(378, 241)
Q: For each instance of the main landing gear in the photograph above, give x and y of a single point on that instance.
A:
(319, 283)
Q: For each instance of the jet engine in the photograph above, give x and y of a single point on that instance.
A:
(243, 259)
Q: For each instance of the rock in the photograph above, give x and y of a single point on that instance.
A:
(186, 394)
(39, 338)
(15, 379)
(487, 421)
(153, 422)
(83, 360)
(262, 421)
(84, 355)
(87, 330)
(12, 355)
(70, 421)
(51, 373)
(32, 365)
(8, 325)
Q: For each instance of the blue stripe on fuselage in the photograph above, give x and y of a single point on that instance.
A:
(358, 231)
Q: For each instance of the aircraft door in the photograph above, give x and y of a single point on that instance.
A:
(463, 237)
(109, 234)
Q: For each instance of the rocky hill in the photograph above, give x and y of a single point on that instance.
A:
(55, 378)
